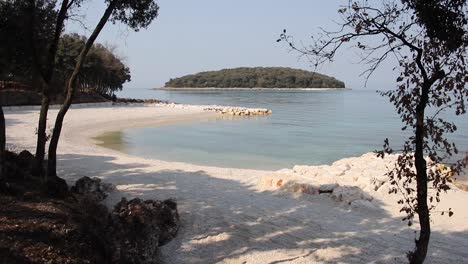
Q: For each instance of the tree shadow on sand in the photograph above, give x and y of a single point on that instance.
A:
(227, 220)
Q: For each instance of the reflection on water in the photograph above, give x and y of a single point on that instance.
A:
(115, 140)
(306, 127)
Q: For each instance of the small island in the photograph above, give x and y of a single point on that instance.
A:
(257, 77)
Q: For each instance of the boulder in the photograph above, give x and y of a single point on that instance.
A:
(13, 168)
(27, 162)
(93, 188)
(379, 181)
(304, 170)
(139, 227)
(327, 188)
(56, 187)
(348, 194)
(299, 188)
(362, 204)
(20, 166)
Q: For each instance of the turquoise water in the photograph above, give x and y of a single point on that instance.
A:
(306, 127)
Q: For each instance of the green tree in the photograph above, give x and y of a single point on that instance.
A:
(44, 61)
(135, 14)
(430, 40)
(17, 58)
(269, 77)
(102, 72)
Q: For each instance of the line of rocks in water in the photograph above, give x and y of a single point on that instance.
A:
(224, 110)
(239, 111)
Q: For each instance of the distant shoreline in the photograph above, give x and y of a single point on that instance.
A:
(250, 89)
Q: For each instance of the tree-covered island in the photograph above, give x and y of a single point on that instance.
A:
(258, 77)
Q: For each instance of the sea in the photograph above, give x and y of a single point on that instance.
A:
(306, 127)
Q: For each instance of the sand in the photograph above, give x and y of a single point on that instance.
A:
(250, 216)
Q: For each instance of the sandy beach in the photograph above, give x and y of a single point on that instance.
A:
(251, 216)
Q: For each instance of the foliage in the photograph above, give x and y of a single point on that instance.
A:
(270, 77)
(103, 71)
(135, 14)
(433, 78)
(447, 26)
(15, 51)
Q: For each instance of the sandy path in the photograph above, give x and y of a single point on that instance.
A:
(227, 217)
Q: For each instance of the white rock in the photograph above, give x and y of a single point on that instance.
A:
(363, 204)
(348, 194)
(327, 187)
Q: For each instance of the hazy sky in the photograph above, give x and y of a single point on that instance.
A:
(191, 36)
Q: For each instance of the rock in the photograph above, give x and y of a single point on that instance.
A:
(301, 188)
(26, 156)
(383, 190)
(363, 181)
(327, 188)
(272, 182)
(56, 187)
(362, 204)
(93, 188)
(349, 194)
(139, 227)
(378, 182)
(13, 168)
(237, 111)
(304, 170)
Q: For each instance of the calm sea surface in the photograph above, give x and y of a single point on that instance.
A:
(306, 127)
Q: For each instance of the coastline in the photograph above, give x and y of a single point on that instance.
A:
(248, 89)
(236, 215)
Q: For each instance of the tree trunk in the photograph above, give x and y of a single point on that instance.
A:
(46, 76)
(422, 242)
(42, 135)
(71, 87)
(2, 146)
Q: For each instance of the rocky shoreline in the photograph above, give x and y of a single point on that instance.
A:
(249, 89)
(40, 222)
(228, 214)
(126, 102)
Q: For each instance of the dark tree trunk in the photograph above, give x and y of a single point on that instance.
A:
(46, 75)
(42, 135)
(2, 146)
(422, 242)
(71, 87)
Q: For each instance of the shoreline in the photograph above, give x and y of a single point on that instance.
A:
(235, 215)
(248, 89)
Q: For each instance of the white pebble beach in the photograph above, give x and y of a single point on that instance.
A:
(340, 213)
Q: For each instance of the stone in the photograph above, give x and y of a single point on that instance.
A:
(56, 187)
(93, 188)
(303, 170)
(237, 111)
(362, 204)
(327, 188)
(378, 182)
(301, 188)
(349, 194)
(139, 227)
(384, 188)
